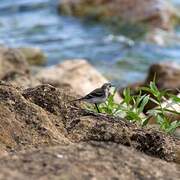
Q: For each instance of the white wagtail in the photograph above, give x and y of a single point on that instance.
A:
(97, 96)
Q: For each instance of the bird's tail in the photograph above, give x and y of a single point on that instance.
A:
(75, 100)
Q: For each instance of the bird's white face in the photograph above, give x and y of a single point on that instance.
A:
(107, 88)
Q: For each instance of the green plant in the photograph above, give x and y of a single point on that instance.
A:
(160, 114)
(133, 106)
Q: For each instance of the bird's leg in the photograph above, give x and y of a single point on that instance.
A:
(97, 108)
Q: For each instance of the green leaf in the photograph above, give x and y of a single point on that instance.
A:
(143, 104)
(146, 89)
(173, 126)
(154, 89)
(139, 99)
(133, 116)
(160, 119)
(127, 96)
(175, 98)
(153, 86)
(145, 121)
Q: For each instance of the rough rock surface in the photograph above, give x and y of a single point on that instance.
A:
(93, 160)
(157, 13)
(25, 125)
(39, 118)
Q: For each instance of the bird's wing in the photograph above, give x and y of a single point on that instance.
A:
(96, 93)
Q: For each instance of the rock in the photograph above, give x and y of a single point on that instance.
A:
(177, 133)
(12, 60)
(156, 13)
(77, 74)
(167, 76)
(21, 80)
(34, 56)
(93, 160)
(15, 69)
(25, 125)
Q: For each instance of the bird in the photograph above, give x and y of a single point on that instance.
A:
(97, 96)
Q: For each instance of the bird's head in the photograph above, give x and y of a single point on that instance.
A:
(107, 86)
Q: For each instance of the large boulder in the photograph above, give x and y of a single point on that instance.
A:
(156, 13)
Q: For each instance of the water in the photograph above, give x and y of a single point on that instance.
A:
(36, 23)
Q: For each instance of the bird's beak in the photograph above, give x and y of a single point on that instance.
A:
(113, 87)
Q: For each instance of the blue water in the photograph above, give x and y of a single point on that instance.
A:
(37, 23)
